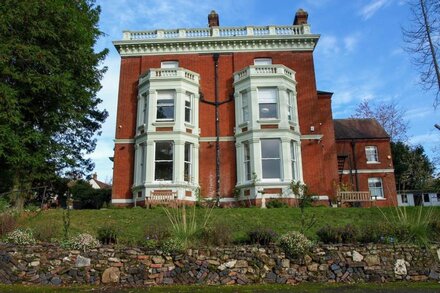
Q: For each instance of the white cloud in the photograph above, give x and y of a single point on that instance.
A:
(371, 8)
(350, 42)
(328, 45)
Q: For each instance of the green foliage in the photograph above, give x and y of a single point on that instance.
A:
(47, 231)
(86, 197)
(411, 227)
(377, 233)
(344, 234)
(108, 234)
(66, 222)
(49, 77)
(412, 167)
(4, 204)
(185, 225)
(295, 244)
(173, 245)
(276, 203)
(262, 236)
(305, 199)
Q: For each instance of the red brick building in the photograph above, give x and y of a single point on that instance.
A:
(228, 113)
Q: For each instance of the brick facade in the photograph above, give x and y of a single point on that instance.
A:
(318, 147)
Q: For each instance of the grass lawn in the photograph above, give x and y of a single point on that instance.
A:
(132, 222)
(334, 288)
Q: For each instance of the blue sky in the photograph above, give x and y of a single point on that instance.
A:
(359, 55)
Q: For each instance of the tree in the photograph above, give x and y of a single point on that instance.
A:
(423, 39)
(49, 77)
(89, 198)
(389, 115)
(412, 168)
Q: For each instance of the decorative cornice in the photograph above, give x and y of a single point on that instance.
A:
(366, 171)
(219, 40)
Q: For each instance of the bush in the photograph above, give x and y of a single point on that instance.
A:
(21, 237)
(82, 241)
(86, 197)
(172, 245)
(262, 236)
(7, 223)
(4, 204)
(156, 231)
(276, 203)
(108, 235)
(345, 234)
(376, 233)
(295, 244)
(218, 234)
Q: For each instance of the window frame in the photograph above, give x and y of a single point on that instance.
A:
(245, 107)
(372, 189)
(171, 142)
(173, 105)
(263, 61)
(188, 162)
(404, 198)
(169, 64)
(294, 159)
(279, 159)
(260, 103)
(371, 152)
(290, 113)
(188, 99)
(247, 161)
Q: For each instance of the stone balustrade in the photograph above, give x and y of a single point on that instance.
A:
(275, 70)
(217, 32)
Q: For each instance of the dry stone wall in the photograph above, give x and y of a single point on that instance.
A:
(50, 264)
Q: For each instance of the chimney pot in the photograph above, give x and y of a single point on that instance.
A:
(300, 17)
(213, 19)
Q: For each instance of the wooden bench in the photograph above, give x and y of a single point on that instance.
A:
(162, 197)
(353, 196)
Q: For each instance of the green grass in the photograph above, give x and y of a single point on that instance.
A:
(132, 222)
(311, 288)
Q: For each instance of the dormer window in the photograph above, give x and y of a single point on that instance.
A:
(169, 64)
(263, 61)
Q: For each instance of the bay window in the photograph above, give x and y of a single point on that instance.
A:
(268, 103)
(165, 106)
(270, 158)
(164, 161)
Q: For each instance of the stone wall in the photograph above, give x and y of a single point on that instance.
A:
(50, 264)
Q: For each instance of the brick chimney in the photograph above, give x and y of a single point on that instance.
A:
(300, 17)
(213, 19)
(95, 176)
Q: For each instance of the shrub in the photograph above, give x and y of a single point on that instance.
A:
(262, 236)
(295, 244)
(156, 231)
(173, 245)
(4, 204)
(376, 233)
(82, 241)
(86, 197)
(108, 234)
(218, 234)
(345, 234)
(21, 237)
(7, 223)
(276, 203)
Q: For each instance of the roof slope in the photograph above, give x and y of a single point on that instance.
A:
(358, 129)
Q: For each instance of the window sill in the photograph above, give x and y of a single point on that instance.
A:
(378, 198)
(243, 124)
(373, 162)
(189, 125)
(164, 123)
(268, 121)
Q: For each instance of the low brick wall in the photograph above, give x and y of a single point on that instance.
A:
(49, 264)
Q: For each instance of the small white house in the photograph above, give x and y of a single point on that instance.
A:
(418, 199)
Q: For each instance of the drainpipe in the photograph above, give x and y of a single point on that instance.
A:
(217, 105)
(353, 151)
(215, 57)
